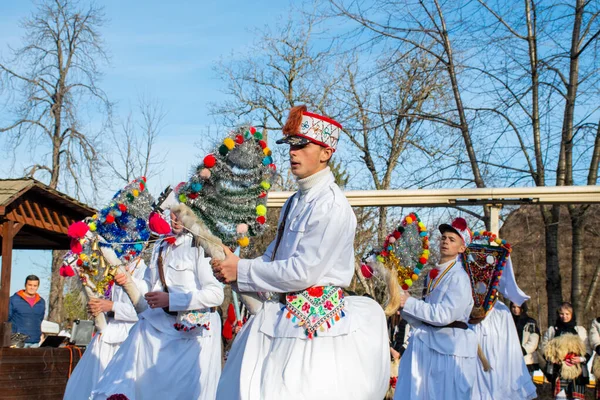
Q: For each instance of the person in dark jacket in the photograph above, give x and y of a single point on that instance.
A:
(26, 311)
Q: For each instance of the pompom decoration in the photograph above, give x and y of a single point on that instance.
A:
(66, 271)
(77, 230)
(122, 225)
(235, 179)
(367, 271)
(459, 224)
(158, 225)
(405, 251)
(485, 260)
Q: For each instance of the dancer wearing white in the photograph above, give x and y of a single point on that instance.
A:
(439, 362)
(342, 354)
(158, 361)
(497, 335)
(121, 316)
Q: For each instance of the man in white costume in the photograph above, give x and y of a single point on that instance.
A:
(307, 341)
(174, 351)
(440, 360)
(497, 335)
(121, 316)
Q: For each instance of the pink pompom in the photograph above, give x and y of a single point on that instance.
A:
(77, 230)
(392, 240)
(66, 271)
(242, 229)
(158, 225)
(205, 173)
(76, 246)
(367, 271)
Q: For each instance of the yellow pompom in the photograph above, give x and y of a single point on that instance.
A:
(83, 257)
(267, 151)
(92, 226)
(182, 198)
(261, 210)
(265, 185)
(135, 193)
(408, 282)
(421, 225)
(244, 241)
(409, 220)
(415, 277)
(229, 143)
(425, 252)
(498, 241)
(95, 216)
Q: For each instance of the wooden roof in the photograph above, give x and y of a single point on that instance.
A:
(44, 212)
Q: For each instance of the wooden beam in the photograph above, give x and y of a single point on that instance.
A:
(41, 216)
(62, 227)
(55, 228)
(9, 230)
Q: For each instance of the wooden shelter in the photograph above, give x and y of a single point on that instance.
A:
(33, 216)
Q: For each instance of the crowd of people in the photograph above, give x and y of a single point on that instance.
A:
(306, 338)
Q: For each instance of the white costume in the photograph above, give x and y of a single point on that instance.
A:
(497, 335)
(157, 361)
(439, 362)
(105, 344)
(272, 358)
(499, 341)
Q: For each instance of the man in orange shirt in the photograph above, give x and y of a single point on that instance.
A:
(26, 311)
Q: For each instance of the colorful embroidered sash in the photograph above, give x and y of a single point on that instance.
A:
(314, 307)
(190, 320)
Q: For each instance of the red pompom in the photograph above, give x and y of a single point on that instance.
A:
(262, 144)
(170, 239)
(142, 187)
(404, 286)
(79, 262)
(261, 220)
(262, 195)
(144, 179)
(210, 161)
(122, 207)
(192, 196)
(110, 219)
(66, 271)
(459, 224)
(76, 246)
(367, 271)
(77, 230)
(239, 139)
(273, 167)
(158, 225)
(384, 254)
(252, 130)
(433, 273)
(423, 260)
(397, 234)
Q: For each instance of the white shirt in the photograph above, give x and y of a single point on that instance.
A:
(191, 284)
(450, 301)
(316, 250)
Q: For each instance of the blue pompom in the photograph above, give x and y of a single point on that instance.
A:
(196, 187)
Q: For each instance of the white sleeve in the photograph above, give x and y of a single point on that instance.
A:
(451, 308)
(209, 295)
(317, 248)
(124, 312)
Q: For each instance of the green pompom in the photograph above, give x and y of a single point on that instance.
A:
(258, 136)
(223, 150)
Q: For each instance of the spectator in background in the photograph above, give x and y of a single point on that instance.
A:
(529, 335)
(26, 311)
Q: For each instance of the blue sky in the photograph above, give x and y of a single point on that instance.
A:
(162, 50)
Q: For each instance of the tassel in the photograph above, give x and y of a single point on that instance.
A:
(294, 319)
(289, 315)
(315, 335)
(328, 325)
(301, 323)
(337, 317)
(332, 321)
(322, 328)
(343, 314)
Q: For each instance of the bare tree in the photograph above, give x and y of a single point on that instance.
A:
(136, 155)
(49, 80)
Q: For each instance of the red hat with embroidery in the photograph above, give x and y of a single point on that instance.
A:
(459, 226)
(303, 127)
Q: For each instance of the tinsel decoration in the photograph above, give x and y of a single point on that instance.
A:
(405, 251)
(122, 226)
(228, 190)
(484, 260)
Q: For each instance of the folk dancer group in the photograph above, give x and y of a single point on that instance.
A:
(342, 354)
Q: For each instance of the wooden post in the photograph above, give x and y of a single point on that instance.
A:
(495, 218)
(8, 230)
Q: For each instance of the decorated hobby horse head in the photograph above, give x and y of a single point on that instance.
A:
(113, 237)
(225, 199)
(400, 260)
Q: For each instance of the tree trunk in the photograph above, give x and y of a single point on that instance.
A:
(553, 279)
(382, 229)
(55, 302)
(577, 214)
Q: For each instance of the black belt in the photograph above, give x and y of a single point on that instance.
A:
(455, 324)
(174, 313)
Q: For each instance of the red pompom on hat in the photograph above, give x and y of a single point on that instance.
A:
(367, 271)
(459, 226)
(76, 246)
(210, 161)
(77, 230)
(66, 271)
